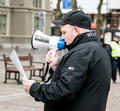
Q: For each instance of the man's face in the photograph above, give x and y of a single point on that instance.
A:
(68, 33)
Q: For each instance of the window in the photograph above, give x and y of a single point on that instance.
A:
(37, 3)
(3, 18)
(39, 21)
(36, 23)
(2, 2)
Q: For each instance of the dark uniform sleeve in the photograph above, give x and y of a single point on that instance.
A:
(109, 50)
(71, 76)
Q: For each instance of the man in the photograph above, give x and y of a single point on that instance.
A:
(114, 54)
(81, 79)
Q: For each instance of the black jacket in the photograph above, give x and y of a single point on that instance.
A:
(81, 81)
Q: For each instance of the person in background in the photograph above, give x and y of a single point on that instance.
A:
(81, 79)
(113, 50)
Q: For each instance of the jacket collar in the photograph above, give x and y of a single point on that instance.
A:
(84, 37)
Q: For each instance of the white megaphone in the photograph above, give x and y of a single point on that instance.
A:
(40, 39)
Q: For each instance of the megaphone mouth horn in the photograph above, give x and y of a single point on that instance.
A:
(39, 39)
(32, 39)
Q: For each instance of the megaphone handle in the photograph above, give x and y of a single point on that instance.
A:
(53, 53)
(46, 71)
(47, 67)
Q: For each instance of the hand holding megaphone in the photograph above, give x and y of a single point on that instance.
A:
(52, 59)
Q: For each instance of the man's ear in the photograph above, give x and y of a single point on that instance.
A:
(76, 28)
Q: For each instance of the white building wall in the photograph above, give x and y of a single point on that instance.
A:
(88, 6)
(114, 4)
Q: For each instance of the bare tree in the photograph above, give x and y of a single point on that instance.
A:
(58, 13)
(74, 4)
(99, 19)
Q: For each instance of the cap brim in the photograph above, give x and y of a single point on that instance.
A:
(59, 22)
(116, 37)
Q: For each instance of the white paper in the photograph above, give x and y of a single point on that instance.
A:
(15, 59)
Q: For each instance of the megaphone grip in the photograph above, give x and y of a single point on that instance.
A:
(53, 53)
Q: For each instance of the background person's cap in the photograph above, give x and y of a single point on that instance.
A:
(115, 36)
(75, 18)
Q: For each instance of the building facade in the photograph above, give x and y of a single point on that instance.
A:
(20, 18)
